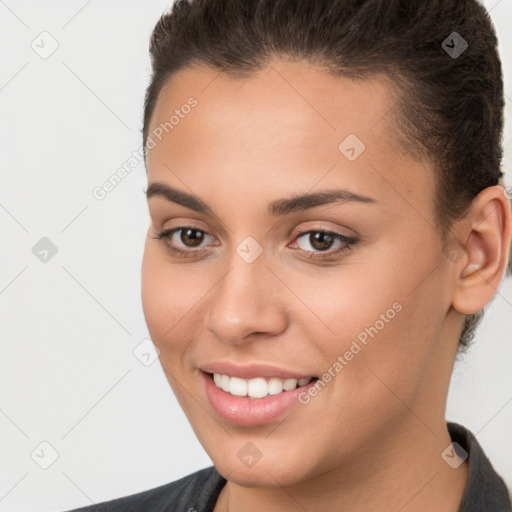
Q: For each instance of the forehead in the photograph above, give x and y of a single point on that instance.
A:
(290, 120)
(287, 92)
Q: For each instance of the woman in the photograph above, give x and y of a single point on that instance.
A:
(327, 225)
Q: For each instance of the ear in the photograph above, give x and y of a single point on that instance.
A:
(484, 243)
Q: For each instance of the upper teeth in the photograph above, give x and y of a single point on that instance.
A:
(257, 387)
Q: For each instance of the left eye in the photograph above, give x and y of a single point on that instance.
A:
(322, 241)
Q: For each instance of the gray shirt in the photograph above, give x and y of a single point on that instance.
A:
(198, 492)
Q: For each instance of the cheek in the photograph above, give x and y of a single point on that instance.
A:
(168, 296)
(377, 320)
(351, 303)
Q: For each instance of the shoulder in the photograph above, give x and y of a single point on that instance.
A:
(196, 492)
(485, 489)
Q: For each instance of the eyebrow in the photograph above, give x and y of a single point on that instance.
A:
(275, 208)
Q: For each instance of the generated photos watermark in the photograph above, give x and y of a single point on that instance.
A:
(355, 348)
(100, 192)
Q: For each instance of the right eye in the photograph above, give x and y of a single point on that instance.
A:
(190, 237)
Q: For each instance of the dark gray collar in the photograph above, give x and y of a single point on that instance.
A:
(485, 489)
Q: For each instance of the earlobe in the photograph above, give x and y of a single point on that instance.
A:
(487, 230)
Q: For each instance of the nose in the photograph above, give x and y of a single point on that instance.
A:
(246, 304)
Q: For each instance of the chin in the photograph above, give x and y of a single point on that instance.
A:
(279, 468)
(261, 475)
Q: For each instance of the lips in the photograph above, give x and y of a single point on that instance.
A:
(264, 406)
(251, 412)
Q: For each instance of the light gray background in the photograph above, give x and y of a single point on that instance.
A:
(68, 374)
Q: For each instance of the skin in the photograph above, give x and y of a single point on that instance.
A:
(372, 438)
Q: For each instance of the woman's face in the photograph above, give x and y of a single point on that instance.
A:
(350, 291)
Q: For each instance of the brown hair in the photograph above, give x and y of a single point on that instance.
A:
(450, 104)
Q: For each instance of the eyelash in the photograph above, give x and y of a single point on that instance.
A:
(349, 243)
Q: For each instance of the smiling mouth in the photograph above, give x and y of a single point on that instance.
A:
(258, 387)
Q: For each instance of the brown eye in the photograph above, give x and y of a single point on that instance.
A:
(320, 240)
(184, 241)
(191, 237)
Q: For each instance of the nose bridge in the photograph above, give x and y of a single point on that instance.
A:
(241, 303)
